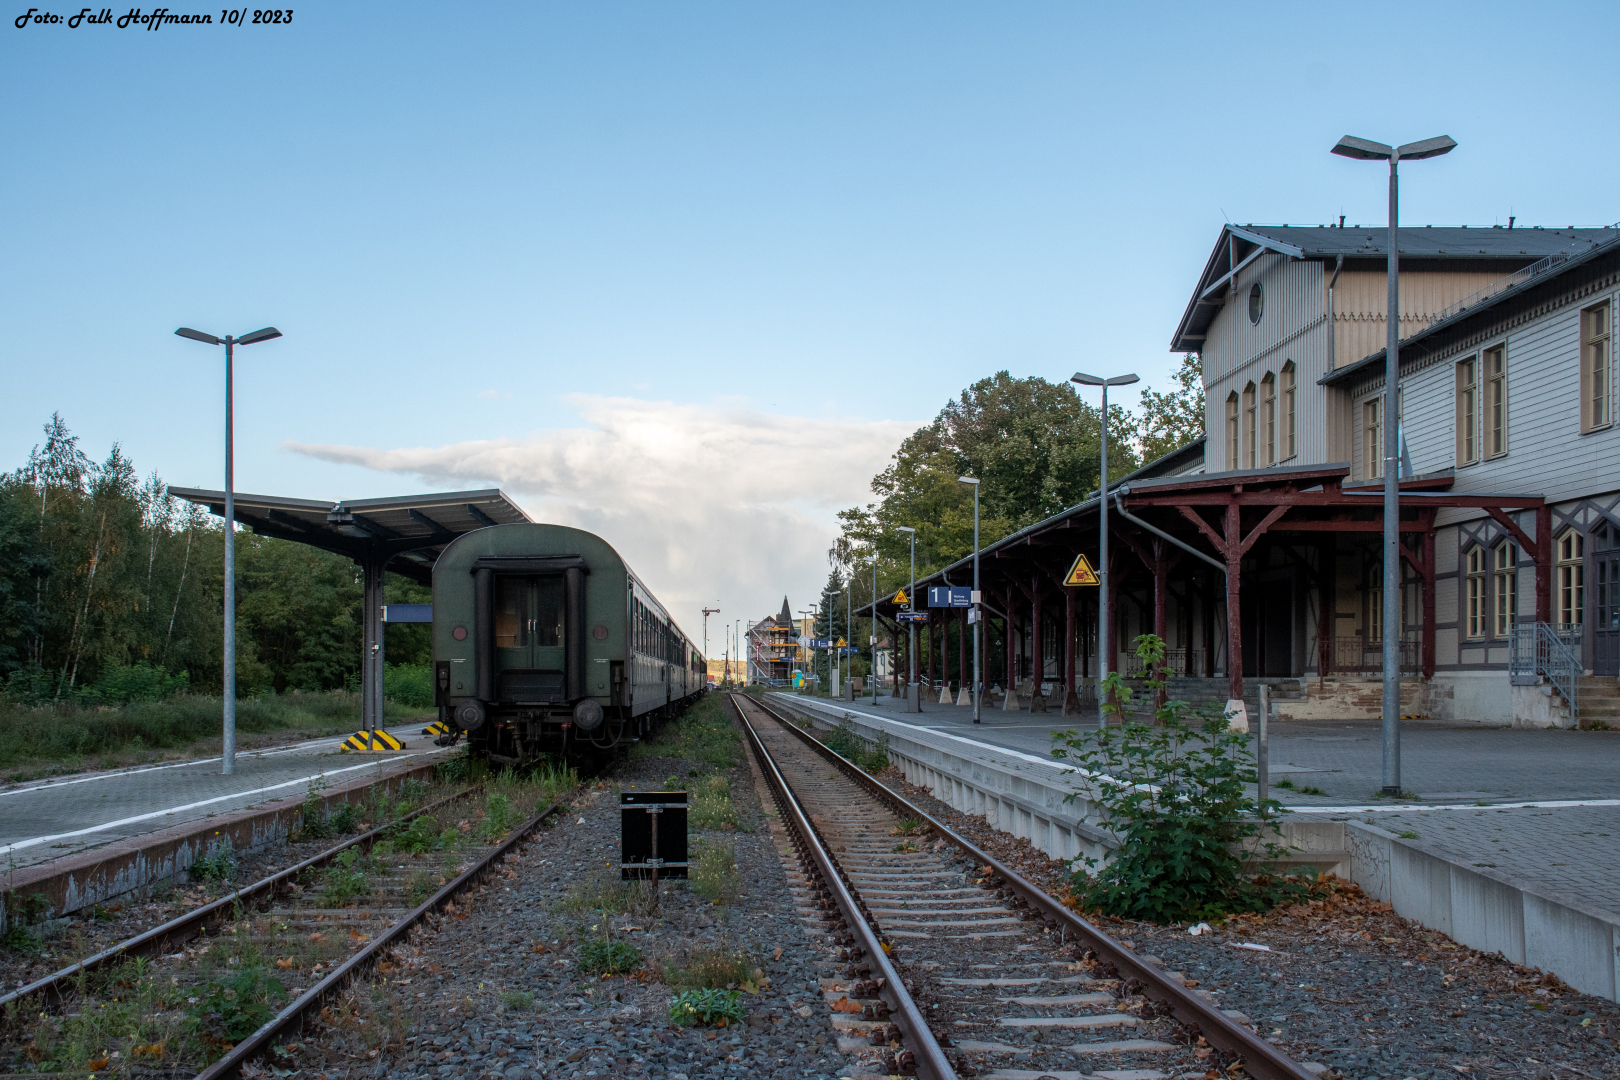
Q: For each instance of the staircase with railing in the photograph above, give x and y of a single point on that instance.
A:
(1538, 651)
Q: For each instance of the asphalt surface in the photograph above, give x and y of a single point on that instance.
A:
(48, 819)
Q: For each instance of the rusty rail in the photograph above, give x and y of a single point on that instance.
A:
(1197, 1016)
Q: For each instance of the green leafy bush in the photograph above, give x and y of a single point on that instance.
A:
(705, 732)
(409, 684)
(499, 817)
(1172, 794)
(607, 956)
(344, 881)
(718, 1007)
(711, 806)
(421, 835)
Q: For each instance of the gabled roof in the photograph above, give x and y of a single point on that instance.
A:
(1529, 284)
(1239, 245)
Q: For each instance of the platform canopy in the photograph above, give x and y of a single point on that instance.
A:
(402, 535)
(405, 532)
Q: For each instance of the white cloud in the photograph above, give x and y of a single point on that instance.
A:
(712, 505)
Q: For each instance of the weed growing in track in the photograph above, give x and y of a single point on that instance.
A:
(610, 897)
(219, 864)
(1177, 807)
(607, 956)
(711, 806)
(713, 871)
(712, 969)
(345, 880)
(718, 1007)
(869, 754)
(516, 1001)
(705, 733)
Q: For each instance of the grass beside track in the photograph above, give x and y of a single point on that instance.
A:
(171, 1014)
(45, 740)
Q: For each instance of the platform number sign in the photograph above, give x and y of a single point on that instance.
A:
(1081, 572)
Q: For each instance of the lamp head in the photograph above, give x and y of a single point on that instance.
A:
(198, 335)
(1427, 148)
(1085, 380)
(1363, 149)
(904, 529)
(259, 335)
(1122, 380)
(967, 480)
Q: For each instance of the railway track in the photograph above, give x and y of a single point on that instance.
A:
(957, 966)
(236, 978)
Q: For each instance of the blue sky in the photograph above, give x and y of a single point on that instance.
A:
(790, 232)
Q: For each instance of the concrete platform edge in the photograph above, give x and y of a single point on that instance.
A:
(77, 882)
(1476, 906)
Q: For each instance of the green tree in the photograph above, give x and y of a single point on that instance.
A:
(1174, 418)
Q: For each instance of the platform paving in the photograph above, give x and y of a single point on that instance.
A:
(1465, 779)
(45, 820)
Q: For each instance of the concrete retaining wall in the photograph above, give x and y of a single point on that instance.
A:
(94, 877)
(1484, 910)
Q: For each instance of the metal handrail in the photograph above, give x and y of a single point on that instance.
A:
(1538, 650)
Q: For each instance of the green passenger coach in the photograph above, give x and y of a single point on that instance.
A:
(546, 642)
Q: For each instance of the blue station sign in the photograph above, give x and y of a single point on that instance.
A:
(950, 596)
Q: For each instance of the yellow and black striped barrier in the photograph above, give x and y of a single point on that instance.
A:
(372, 742)
(438, 727)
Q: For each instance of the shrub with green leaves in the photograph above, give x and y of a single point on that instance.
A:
(1173, 796)
(421, 835)
(236, 1006)
(344, 880)
(607, 956)
(219, 864)
(718, 1007)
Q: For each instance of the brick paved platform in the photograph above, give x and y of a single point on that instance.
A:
(45, 820)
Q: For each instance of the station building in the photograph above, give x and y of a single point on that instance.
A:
(1255, 552)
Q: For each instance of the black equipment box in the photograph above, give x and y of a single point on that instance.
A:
(652, 836)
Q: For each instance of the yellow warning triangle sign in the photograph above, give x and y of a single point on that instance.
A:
(900, 598)
(1081, 572)
(842, 643)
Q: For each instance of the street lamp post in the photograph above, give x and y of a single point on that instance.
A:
(706, 613)
(1367, 150)
(911, 627)
(973, 601)
(873, 635)
(229, 672)
(1103, 610)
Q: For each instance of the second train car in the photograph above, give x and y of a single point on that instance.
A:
(545, 642)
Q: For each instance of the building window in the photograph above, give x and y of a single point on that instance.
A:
(1496, 421)
(1248, 426)
(1505, 586)
(1268, 416)
(1257, 303)
(1571, 579)
(1476, 592)
(1290, 418)
(1232, 430)
(1468, 411)
(1372, 440)
(1595, 368)
(1375, 613)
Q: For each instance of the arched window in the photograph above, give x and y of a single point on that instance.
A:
(1475, 565)
(1232, 430)
(1290, 415)
(1505, 586)
(1248, 426)
(1571, 579)
(1268, 418)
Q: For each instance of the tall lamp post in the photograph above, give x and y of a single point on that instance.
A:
(911, 627)
(1103, 610)
(1367, 150)
(706, 613)
(873, 634)
(229, 673)
(810, 612)
(973, 606)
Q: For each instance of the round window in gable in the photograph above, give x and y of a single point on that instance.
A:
(1257, 301)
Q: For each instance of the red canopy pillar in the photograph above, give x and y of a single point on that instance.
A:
(1234, 602)
(1544, 563)
(1037, 663)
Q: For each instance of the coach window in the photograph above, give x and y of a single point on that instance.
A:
(1595, 411)
(1571, 580)
(1496, 402)
(1505, 586)
(1476, 592)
